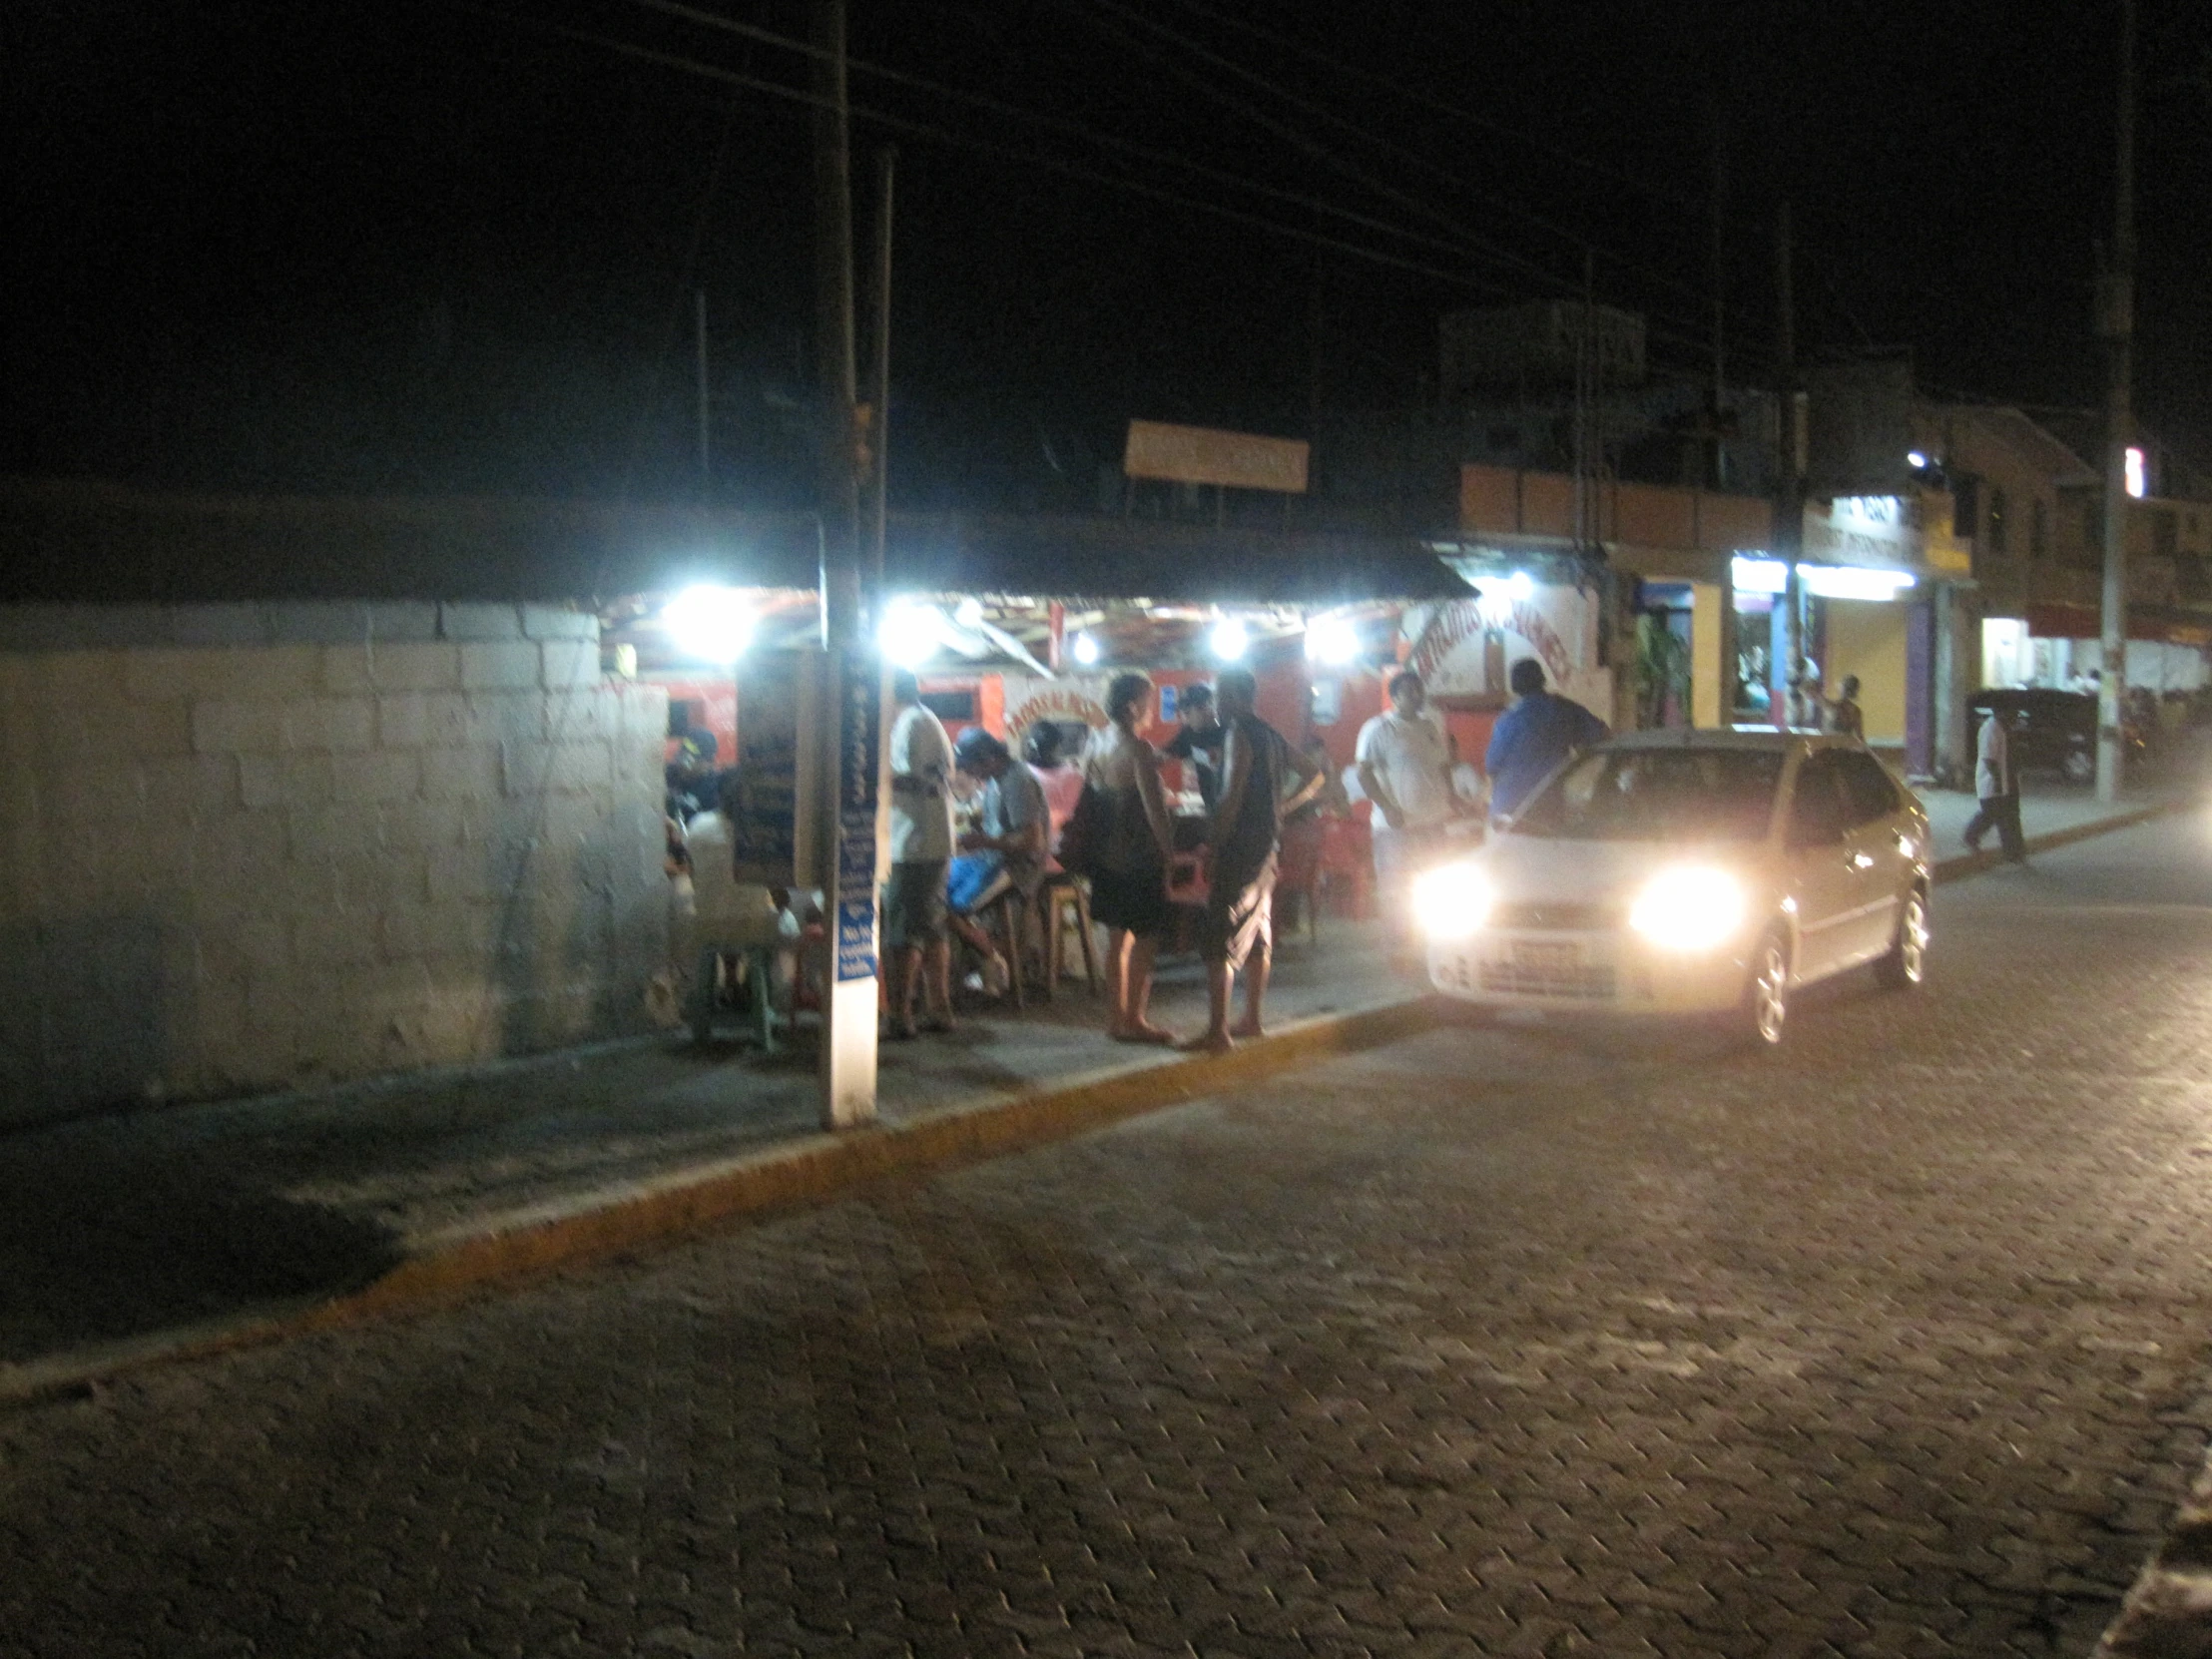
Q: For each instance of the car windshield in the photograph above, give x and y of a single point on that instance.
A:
(1658, 794)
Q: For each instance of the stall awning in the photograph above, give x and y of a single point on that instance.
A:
(76, 542)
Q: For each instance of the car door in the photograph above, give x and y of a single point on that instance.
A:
(1880, 852)
(1824, 882)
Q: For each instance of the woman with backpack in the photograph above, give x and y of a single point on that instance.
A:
(1124, 840)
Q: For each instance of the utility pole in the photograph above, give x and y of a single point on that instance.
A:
(847, 764)
(706, 462)
(879, 387)
(1788, 642)
(1716, 477)
(2116, 323)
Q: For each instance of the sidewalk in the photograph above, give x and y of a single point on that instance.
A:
(142, 1235)
(127, 1235)
(2044, 811)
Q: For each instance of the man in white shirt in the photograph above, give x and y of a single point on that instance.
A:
(1405, 766)
(915, 927)
(1998, 791)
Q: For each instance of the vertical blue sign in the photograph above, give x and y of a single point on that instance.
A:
(858, 700)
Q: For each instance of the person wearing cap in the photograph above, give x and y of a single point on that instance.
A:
(1007, 850)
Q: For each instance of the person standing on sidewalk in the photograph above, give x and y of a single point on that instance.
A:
(915, 921)
(1405, 770)
(1129, 875)
(1196, 744)
(1533, 737)
(1244, 840)
(1997, 790)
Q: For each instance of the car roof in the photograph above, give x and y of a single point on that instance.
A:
(1731, 737)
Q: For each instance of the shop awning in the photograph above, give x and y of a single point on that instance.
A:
(2160, 624)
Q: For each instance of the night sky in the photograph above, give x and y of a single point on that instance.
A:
(414, 246)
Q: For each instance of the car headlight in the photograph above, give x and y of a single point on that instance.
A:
(1689, 910)
(1451, 901)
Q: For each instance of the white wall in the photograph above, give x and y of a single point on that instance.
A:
(334, 840)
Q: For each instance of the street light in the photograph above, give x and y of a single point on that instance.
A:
(709, 623)
(910, 632)
(1332, 641)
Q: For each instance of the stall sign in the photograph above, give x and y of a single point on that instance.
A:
(1466, 647)
(1072, 699)
(1208, 455)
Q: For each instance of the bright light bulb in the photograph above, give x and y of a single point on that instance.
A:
(712, 624)
(1915, 459)
(2138, 482)
(969, 613)
(1332, 641)
(1230, 640)
(910, 632)
(1086, 649)
(1521, 585)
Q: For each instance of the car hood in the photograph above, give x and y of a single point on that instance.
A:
(1537, 868)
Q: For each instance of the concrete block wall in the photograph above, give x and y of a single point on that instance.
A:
(245, 847)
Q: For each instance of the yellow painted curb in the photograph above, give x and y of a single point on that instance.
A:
(815, 1170)
(1974, 863)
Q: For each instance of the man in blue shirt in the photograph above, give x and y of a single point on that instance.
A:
(1533, 737)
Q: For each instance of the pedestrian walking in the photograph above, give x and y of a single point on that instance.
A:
(1404, 764)
(1244, 843)
(1996, 789)
(916, 939)
(1531, 738)
(1129, 870)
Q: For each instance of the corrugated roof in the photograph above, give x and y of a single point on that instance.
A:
(74, 542)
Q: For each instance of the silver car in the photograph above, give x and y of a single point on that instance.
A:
(1689, 873)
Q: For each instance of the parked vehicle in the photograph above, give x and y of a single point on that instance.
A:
(2052, 731)
(1689, 873)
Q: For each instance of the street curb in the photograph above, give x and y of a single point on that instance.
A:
(445, 1266)
(1958, 868)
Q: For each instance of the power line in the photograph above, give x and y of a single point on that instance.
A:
(1465, 242)
(1060, 124)
(1310, 146)
(1313, 55)
(939, 135)
(1322, 153)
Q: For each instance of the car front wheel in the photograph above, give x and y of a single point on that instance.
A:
(1906, 964)
(1766, 1011)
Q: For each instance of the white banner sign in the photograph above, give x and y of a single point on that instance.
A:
(1467, 646)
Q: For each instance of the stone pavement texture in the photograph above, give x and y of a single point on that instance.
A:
(1496, 1341)
(117, 1226)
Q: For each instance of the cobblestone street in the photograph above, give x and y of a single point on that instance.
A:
(1496, 1341)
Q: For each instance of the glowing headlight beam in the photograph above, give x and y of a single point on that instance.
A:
(1451, 901)
(1690, 908)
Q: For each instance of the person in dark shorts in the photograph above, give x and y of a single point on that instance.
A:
(916, 944)
(1128, 882)
(1257, 789)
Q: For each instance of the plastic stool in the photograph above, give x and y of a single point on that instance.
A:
(1068, 904)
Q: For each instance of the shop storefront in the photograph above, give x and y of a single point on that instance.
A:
(1875, 599)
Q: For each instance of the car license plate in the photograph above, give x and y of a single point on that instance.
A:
(1550, 958)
